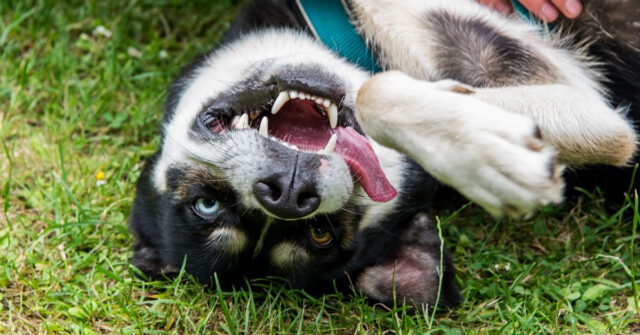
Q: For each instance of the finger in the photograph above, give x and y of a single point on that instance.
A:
(543, 9)
(501, 6)
(570, 8)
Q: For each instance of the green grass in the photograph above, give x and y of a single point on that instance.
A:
(73, 104)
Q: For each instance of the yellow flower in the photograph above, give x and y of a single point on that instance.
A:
(100, 178)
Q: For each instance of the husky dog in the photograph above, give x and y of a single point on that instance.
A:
(280, 158)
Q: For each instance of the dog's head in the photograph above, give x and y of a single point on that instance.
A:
(263, 170)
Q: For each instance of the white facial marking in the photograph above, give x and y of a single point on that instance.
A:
(231, 240)
(239, 156)
(286, 254)
(324, 166)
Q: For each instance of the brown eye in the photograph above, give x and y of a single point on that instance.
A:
(320, 236)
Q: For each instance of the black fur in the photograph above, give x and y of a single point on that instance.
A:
(264, 14)
(169, 230)
(143, 221)
(468, 42)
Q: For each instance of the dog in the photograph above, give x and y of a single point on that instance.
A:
(280, 158)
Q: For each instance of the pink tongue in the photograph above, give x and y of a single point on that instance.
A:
(356, 150)
(300, 124)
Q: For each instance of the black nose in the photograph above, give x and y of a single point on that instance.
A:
(284, 197)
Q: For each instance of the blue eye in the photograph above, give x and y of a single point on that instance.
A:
(207, 206)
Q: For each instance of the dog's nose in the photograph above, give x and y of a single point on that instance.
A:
(285, 198)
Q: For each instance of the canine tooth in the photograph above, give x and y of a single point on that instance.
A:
(264, 127)
(332, 111)
(293, 94)
(326, 103)
(243, 122)
(234, 121)
(331, 145)
(282, 99)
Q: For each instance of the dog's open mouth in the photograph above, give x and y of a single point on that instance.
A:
(306, 122)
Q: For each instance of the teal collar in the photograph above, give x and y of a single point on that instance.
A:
(525, 14)
(330, 23)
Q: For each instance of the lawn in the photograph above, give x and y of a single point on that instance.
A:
(80, 108)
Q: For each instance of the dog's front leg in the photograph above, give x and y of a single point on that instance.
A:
(519, 68)
(493, 157)
(599, 136)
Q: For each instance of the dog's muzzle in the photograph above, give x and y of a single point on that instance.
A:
(288, 188)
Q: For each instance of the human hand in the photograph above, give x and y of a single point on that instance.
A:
(547, 10)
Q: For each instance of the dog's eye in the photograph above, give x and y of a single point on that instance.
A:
(207, 206)
(320, 236)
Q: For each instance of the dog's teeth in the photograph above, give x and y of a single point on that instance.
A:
(245, 121)
(282, 99)
(234, 121)
(242, 123)
(332, 111)
(313, 97)
(319, 101)
(264, 127)
(293, 94)
(331, 145)
(302, 96)
(326, 103)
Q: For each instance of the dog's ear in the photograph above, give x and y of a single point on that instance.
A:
(412, 275)
(144, 223)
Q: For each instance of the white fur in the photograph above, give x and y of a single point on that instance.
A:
(573, 114)
(491, 156)
(286, 254)
(231, 240)
(241, 155)
(581, 126)
(482, 144)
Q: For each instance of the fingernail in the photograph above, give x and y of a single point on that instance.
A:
(503, 8)
(549, 12)
(573, 8)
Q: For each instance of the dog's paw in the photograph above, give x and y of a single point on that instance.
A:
(493, 157)
(504, 165)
